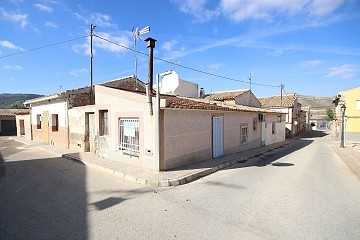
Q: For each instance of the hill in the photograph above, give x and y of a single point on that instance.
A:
(316, 102)
(9, 100)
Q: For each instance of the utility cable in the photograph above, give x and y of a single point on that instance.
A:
(185, 67)
(45, 46)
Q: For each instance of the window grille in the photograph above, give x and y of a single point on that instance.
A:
(244, 134)
(104, 122)
(255, 121)
(129, 136)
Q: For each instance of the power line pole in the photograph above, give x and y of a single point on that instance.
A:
(250, 81)
(92, 27)
(281, 94)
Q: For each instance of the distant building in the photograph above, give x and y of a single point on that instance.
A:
(316, 109)
(289, 105)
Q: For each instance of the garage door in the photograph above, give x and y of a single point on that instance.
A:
(8, 127)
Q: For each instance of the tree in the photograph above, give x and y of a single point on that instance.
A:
(329, 114)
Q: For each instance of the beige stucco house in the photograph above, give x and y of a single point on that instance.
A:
(62, 119)
(189, 130)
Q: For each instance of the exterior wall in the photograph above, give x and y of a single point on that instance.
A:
(187, 89)
(233, 121)
(279, 134)
(187, 136)
(77, 127)
(123, 104)
(7, 118)
(248, 99)
(352, 114)
(27, 126)
(47, 133)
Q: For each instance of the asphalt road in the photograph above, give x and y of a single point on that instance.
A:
(302, 191)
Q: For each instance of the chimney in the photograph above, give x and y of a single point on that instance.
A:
(150, 44)
(202, 93)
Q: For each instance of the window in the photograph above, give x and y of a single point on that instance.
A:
(129, 135)
(273, 130)
(244, 134)
(54, 122)
(357, 104)
(279, 118)
(104, 129)
(255, 121)
(38, 121)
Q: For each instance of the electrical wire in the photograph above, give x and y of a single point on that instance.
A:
(186, 67)
(45, 46)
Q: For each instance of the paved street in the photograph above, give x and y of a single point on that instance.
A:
(301, 191)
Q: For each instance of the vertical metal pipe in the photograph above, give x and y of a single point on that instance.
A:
(342, 140)
(150, 44)
(158, 117)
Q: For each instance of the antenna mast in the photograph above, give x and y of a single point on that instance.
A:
(136, 35)
(281, 93)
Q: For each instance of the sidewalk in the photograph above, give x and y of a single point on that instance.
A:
(350, 155)
(174, 177)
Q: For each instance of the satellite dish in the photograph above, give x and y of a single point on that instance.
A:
(169, 83)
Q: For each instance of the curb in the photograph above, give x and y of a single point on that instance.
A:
(176, 181)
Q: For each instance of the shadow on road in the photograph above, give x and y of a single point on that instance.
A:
(42, 199)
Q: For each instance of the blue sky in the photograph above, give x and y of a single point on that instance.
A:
(311, 46)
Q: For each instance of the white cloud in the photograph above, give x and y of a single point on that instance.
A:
(98, 19)
(345, 71)
(121, 38)
(78, 72)
(43, 7)
(310, 63)
(198, 9)
(240, 10)
(12, 67)
(173, 49)
(14, 17)
(51, 25)
(10, 45)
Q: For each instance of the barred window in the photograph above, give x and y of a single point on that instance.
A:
(255, 121)
(129, 136)
(244, 134)
(104, 130)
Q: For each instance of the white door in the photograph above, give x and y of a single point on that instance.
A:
(218, 136)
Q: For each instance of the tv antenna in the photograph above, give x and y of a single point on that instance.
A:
(136, 35)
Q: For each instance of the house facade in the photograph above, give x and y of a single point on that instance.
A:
(289, 105)
(189, 130)
(23, 125)
(351, 99)
(62, 119)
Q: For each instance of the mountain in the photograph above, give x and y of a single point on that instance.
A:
(9, 100)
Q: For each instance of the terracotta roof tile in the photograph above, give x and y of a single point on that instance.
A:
(203, 104)
(8, 112)
(226, 95)
(287, 100)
